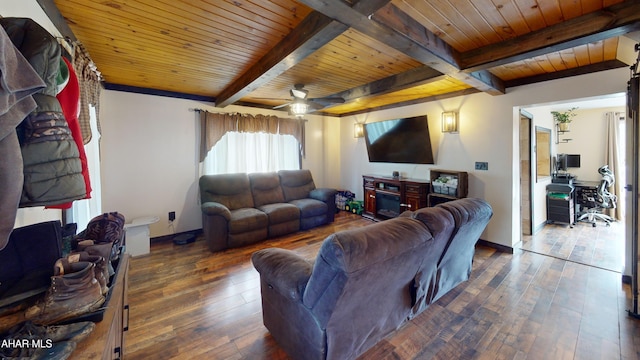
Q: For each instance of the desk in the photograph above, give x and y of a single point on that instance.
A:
(586, 193)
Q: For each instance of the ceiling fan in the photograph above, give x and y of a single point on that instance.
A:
(301, 104)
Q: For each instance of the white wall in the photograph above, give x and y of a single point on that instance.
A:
(149, 150)
(488, 132)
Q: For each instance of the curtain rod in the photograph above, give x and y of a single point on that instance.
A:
(203, 110)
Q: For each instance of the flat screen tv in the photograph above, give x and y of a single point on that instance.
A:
(404, 140)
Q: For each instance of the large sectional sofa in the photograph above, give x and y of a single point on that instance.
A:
(366, 282)
(241, 209)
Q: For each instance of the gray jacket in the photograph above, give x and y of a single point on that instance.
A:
(52, 167)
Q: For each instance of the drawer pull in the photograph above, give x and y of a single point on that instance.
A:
(126, 328)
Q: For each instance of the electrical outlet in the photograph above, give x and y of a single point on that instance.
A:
(172, 215)
(480, 165)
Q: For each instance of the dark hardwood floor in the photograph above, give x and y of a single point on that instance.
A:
(600, 246)
(189, 303)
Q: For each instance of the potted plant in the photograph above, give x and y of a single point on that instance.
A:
(564, 118)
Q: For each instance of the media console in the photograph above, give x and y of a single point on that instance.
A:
(386, 197)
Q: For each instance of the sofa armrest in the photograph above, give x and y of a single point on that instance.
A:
(214, 208)
(324, 194)
(283, 270)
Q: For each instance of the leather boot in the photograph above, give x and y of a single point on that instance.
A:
(104, 250)
(58, 351)
(75, 332)
(70, 295)
(101, 269)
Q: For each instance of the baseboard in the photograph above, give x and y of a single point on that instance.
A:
(169, 237)
(539, 227)
(501, 248)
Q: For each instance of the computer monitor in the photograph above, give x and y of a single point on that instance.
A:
(573, 160)
(561, 162)
(566, 161)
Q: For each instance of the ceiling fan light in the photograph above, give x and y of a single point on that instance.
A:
(299, 108)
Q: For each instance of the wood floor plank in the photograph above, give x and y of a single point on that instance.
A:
(187, 302)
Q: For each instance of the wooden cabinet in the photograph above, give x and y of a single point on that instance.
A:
(369, 196)
(440, 192)
(107, 339)
(387, 197)
(416, 195)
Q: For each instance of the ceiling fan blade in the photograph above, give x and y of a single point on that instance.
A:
(281, 106)
(270, 98)
(315, 105)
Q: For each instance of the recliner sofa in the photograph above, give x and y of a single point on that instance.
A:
(366, 282)
(241, 209)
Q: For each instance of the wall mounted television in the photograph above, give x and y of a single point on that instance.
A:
(404, 140)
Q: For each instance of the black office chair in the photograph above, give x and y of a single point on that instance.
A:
(599, 199)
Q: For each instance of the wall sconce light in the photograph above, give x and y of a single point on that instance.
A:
(450, 122)
(358, 130)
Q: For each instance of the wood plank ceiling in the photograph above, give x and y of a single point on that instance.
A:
(373, 53)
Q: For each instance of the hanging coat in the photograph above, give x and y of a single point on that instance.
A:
(51, 160)
(18, 81)
(69, 98)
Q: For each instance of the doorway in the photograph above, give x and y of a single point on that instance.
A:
(598, 246)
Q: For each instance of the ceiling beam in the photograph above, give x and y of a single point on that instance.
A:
(609, 22)
(51, 10)
(581, 70)
(405, 80)
(392, 27)
(310, 35)
(439, 97)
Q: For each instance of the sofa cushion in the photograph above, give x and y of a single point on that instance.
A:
(441, 224)
(265, 188)
(279, 213)
(230, 190)
(310, 207)
(296, 184)
(471, 217)
(373, 265)
(247, 219)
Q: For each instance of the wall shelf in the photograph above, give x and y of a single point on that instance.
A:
(438, 195)
(561, 132)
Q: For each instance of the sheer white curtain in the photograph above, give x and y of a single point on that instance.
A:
(84, 210)
(246, 152)
(613, 158)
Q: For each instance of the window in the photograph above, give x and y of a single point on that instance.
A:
(82, 211)
(244, 152)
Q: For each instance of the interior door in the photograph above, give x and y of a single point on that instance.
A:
(633, 158)
(526, 185)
